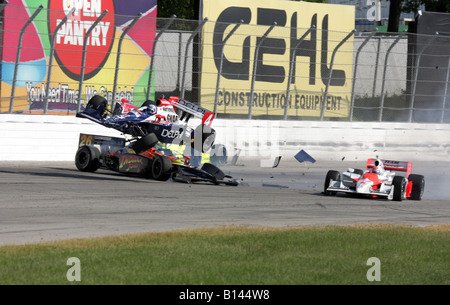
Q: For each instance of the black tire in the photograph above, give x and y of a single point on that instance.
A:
(87, 159)
(145, 143)
(98, 102)
(161, 167)
(148, 102)
(218, 155)
(418, 186)
(399, 184)
(204, 137)
(358, 171)
(331, 175)
(213, 170)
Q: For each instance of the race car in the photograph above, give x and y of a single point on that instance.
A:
(113, 153)
(379, 180)
(168, 120)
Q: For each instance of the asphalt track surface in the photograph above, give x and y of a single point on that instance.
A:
(48, 201)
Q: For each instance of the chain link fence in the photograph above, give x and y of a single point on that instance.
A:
(236, 70)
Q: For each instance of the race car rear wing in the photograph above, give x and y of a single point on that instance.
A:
(192, 109)
(402, 166)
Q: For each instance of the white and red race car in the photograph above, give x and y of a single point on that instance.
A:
(378, 180)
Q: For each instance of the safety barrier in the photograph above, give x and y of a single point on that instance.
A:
(55, 138)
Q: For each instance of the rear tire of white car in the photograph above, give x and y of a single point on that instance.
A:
(331, 175)
(161, 167)
(87, 159)
(418, 186)
(399, 184)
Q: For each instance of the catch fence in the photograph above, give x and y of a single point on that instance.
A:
(237, 70)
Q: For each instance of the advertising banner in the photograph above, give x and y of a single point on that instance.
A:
(31, 74)
(312, 60)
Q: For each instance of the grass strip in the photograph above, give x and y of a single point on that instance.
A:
(240, 256)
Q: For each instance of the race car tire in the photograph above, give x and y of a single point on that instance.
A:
(331, 175)
(358, 171)
(87, 159)
(96, 102)
(219, 155)
(204, 137)
(418, 186)
(161, 167)
(148, 102)
(214, 171)
(399, 184)
(145, 143)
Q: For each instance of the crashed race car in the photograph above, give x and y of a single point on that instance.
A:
(152, 131)
(166, 119)
(379, 180)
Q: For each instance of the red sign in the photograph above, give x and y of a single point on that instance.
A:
(69, 40)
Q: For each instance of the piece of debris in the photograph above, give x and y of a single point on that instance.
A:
(302, 156)
(270, 163)
(235, 157)
(275, 185)
(276, 162)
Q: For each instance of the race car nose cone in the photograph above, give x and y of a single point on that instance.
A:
(364, 186)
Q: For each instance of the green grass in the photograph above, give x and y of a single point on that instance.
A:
(240, 256)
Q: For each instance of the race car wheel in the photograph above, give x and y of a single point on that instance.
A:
(418, 186)
(331, 175)
(218, 155)
(161, 167)
(98, 102)
(145, 143)
(148, 102)
(204, 137)
(399, 184)
(87, 159)
(358, 171)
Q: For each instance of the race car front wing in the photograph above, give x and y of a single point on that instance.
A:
(383, 191)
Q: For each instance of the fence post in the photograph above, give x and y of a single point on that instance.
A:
(219, 73)
(197, 30)
(331, 71)
(380, 112)
(447, 78)
(50, 60)
(291, 69)
(166, 26)
(255, 63)
(83, 60)
(354, 73)
(377, 59)
(119, 50)
(19, 49)
(416, 73)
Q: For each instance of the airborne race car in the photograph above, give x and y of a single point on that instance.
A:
(151, 129)
(379, 180)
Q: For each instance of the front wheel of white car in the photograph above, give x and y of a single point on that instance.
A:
(331, 175)
(399, 184)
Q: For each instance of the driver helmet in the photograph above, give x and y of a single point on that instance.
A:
(378, 167)
(150, 109)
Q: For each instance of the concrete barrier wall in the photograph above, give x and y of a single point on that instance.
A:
(55, 138)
